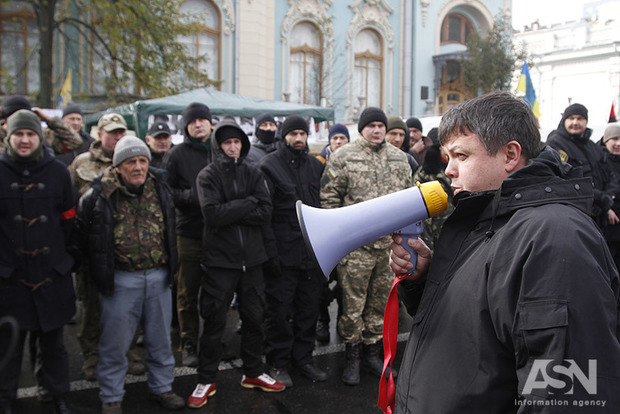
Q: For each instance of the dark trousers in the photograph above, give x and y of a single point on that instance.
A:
(297, 294)
(217, 289)
(51, 355)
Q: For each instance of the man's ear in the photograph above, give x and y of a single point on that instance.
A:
(513, 158)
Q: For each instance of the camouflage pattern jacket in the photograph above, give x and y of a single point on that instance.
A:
(110, 219)
(58, 136)
(87, 166)
(362, 170)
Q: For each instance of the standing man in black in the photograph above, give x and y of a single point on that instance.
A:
(183, 163)
(235, 203)
(293, 175)
(572, 140)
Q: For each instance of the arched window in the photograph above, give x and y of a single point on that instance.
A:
(368, 68)
(19, 57)
(455, 29)
(305, 54)
(205, 42)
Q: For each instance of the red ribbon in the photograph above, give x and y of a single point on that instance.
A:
(387, 390)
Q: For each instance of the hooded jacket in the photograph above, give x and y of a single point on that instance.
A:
(183, 163)
(95, 231)
(235, 203)
(36, 218)
(520, 276)
(581, 151)
(291, 176)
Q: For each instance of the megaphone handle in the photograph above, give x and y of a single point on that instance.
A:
(414, 255)
(411, 232)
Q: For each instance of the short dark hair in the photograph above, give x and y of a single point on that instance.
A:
(496, 118)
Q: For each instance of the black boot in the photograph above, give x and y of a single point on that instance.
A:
(61, 406)
(6, 407)
(372, 362)
(351, 372)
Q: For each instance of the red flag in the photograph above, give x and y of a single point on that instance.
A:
(612, 114)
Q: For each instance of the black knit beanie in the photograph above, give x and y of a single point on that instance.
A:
(71, 108)
(292, 123)
(371, 114)
(13, 104)
(24, 119)
(414, 122)
(226, 132)
(264, 117)
(576, 109)
(265, 136)
(195, 110)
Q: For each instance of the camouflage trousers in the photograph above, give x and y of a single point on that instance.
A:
(365, 278)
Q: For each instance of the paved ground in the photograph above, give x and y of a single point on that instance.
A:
(327, 397)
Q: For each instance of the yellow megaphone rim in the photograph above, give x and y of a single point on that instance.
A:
(435, 197)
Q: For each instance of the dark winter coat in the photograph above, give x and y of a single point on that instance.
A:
(581, 151)
(612, 233)
(95, 231)
(519, 275)
(291, 177)
(183, 163)
(258, 150)
(235, 203)
(36, 218)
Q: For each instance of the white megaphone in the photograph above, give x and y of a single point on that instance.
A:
(331, 234)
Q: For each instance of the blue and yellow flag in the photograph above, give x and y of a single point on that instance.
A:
(526, 86)
(65, 92)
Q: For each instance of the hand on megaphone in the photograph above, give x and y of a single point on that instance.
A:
(400, 258)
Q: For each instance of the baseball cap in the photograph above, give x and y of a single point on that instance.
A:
(159, 128)
(111, 121)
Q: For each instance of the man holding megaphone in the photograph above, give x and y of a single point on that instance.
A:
(517, 311)
(362, 170)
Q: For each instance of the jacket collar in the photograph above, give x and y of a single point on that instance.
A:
(370, 146)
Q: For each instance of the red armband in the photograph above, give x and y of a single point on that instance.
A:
(69, 214)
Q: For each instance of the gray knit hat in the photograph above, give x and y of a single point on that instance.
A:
(128, 147)
(612, 131)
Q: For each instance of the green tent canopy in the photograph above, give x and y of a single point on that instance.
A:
(220, 103)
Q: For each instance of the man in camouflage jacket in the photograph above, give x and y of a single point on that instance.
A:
(126, 228)
(364, 169)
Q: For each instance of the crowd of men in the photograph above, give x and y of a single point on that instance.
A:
(523, 266)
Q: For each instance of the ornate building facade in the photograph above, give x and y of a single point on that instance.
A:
(400, 55)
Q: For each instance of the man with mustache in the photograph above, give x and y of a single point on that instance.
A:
(126, 229)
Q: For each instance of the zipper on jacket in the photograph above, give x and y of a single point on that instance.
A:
(238, 227)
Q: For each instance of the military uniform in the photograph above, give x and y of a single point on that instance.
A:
(87, 166)
(357, 172)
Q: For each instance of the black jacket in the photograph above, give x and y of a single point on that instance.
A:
(95, 231)
(581, 151)
(520, 275)
(36, 218)
(235, 203)
(183, 163)
(612, 233)
(291, 177)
